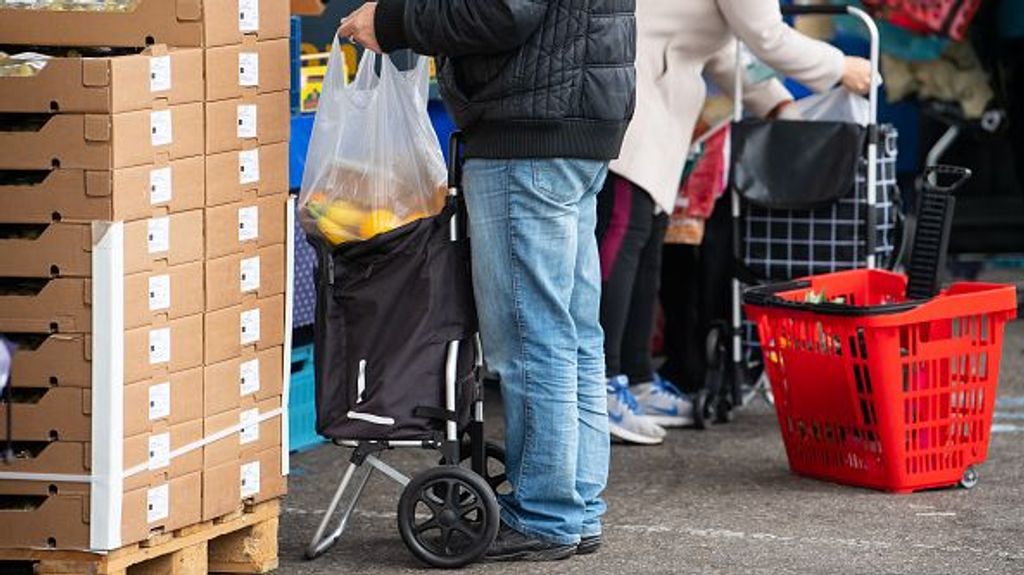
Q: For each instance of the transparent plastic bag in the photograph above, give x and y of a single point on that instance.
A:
(374, 162)
(836, 105)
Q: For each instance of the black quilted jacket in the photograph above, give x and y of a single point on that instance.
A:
(526, 78)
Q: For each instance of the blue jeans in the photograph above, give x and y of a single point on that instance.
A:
(537, 278)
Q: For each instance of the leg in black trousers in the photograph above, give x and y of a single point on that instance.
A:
(636, 340)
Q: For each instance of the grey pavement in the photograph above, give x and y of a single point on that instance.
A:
(722, 501)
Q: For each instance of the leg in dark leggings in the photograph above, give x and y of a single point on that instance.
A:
(625, 216)
(636, 340)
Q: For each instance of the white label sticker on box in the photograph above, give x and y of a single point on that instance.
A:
(159, 292)
(248, 223)
(247, 120)
(158, 503)
(160, 186)
(159, 401)
(250, 432)
(160, 127)
(250, 479)
(248, 15)
(159, 73)
(249, 166)
(250, 326)
(249, 377)
(159, 451)
(159, 234)
(248, 69)
(249, 274)
(159, 345)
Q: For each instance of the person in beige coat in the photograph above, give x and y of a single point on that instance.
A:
(678, 42)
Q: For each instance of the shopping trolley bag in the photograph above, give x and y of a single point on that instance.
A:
(805, 184)
(388, 308)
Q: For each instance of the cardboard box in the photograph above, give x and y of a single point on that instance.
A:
(248, 67)
(243, 381)
(171, 22)
(94, 82)
(255, 477)
(51, 415)
(102, 141)
(51, 360)
(81, 196)
(161, 508)
(61, 305)
(255, 273)
(163, 348)
(64, 457)
(147, 456)
(171, 400)
(258, 324)
(232, 228)
(47, 514)
(263, 169)
(64, 305)
(250, 119)
(65, 249)
(250, 438)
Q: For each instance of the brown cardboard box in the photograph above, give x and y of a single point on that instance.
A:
(97, 83)
(229, 175)
(171, 292)
(250, 439)
(74, 195)
(237, 277)
(101, 141)
(51, 360)
(267, 465)
(64, 305)
(257, 324)
(61, 305)
(165, 347)
(231, 228)
(252, 118)
(147, 458)
(51, 415)
(251, 66)
(161, 508)
(253, 377)
(65, 249)
(170, 400)
(65, 457)
(171, 22)
(253, 476)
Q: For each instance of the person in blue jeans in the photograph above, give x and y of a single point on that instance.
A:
(543, 91)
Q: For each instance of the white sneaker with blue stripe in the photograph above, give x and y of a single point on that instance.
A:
(626, 419)
(664, 404)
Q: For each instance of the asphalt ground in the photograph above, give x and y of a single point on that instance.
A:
(720, 501)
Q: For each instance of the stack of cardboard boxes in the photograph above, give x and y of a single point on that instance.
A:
(143, 265)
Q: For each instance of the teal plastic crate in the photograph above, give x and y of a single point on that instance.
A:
(302, 401)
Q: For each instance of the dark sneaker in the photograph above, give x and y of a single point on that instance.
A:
(511, 545)
(589, 545)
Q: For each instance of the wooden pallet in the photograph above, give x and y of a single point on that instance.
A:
(243, 542)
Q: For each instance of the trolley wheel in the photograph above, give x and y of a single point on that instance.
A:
(970, 478)
(494, 465)
(461, 516)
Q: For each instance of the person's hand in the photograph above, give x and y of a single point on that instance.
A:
(358, 27)
(856, 75)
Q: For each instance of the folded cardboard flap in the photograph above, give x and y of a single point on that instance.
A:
(98, 183)
(95, 73)
(98, 128)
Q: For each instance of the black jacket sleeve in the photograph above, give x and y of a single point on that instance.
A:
(456, 27)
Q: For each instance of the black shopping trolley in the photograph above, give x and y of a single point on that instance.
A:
(397, 365)
(807, 197)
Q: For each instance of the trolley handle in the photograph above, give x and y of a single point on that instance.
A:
(454, 162)
(930, 178)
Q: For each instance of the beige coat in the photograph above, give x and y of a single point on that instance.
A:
(676, 41)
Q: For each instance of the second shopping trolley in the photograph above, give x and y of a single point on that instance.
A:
(807, 197)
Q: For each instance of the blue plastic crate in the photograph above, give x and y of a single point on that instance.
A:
(302, 401)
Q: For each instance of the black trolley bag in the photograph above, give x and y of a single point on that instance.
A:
(807, 197)
(397, 361)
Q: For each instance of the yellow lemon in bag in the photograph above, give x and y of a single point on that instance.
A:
(378, 222)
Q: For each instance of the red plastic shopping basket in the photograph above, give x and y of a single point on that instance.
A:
(877, 391)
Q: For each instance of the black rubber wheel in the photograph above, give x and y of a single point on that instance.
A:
(969, 479)
(448, 516)
(494, 465)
